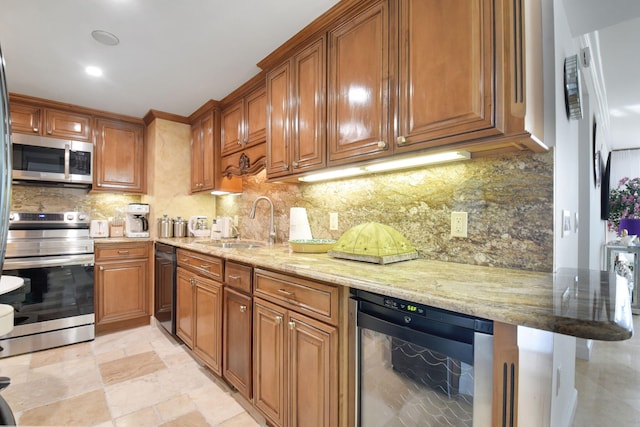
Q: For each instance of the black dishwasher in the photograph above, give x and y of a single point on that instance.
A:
(165, 286)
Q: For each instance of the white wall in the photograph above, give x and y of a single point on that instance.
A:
(547, 393)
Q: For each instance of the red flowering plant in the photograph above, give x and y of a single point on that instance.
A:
(624, 202)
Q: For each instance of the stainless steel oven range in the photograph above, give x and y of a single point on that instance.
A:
(420, 366)
(53, 253)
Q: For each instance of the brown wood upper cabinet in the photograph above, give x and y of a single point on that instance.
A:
(244, 122)
(401, 76)
(119, 156)
(460, 72)
(359, 87)
(296, 136)
(202, 151)
(55, 123)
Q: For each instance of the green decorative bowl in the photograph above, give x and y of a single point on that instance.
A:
(373, 242)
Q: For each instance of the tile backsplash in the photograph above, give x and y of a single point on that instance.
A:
(509, 200)
(28, 198)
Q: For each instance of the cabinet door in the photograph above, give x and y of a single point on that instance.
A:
(237, 340)
(25, 119)
(269, 361)
(231, 128)
(207, 343)
(309, 112)
(185, 319)
(278, 120)
(255, 119)
(358, 87)
(446, 71)
(197, 162)
(120, 162)
(63, 124)
(121, 292)
(313, 379)
(202, 154)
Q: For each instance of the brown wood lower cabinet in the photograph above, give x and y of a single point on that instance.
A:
(295, 367)
(121, 285)
(199, 306)
(238, 317)
(199, 317)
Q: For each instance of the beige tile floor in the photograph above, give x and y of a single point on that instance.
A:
(138, 377)
(609, 384)
(141, 377)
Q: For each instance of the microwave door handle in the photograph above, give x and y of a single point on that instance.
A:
(67, 157)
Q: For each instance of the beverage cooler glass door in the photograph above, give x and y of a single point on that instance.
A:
(411, 378)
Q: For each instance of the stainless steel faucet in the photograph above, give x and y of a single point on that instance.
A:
(272, 227)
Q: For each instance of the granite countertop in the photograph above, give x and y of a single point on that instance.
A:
(583, 303)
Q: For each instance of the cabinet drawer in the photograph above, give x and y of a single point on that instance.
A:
(312, 298)
(107, 251)
(238, 276)
(206, 265)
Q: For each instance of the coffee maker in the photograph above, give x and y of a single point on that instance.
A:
(137, 220)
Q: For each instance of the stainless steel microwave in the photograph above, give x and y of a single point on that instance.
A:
(52, 160)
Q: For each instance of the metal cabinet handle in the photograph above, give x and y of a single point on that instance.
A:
(205, 266)
(401, 140)
(49, 132)
(234, 277)
(296, 165)
(382, 145)
(284, 291)
(286, 167)
(243, 308)
(292, 325)
(278, 320)
(122, 252)
(101, 268)
(36, 130)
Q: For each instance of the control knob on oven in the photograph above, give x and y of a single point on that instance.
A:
(407, 319)
(69, 217)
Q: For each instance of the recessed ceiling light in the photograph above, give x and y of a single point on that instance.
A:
(93, 71)
(105, 37)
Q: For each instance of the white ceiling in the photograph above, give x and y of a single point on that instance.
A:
(615, 25)
(173, 56)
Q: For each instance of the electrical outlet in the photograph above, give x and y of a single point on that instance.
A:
(333, 221)
(458, 224)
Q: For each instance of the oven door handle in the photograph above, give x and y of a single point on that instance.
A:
(447, 346)
(52, 261)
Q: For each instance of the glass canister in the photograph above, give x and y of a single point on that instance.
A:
(179, 227)
(165, 226)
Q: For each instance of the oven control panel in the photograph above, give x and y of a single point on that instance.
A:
(48, 220)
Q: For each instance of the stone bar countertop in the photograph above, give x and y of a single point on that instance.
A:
(583, 303)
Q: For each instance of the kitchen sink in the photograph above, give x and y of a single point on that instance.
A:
(233, 244)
